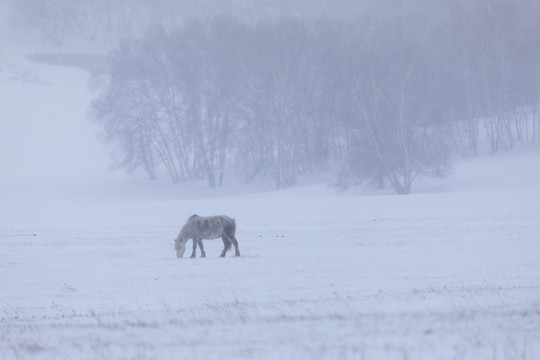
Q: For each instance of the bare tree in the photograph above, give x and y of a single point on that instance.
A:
(384, 95)
(394, 100)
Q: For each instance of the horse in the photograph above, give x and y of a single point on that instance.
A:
(206, 227)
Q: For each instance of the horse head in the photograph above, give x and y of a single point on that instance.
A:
(180, 246)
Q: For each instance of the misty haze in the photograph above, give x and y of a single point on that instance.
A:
(381, 161)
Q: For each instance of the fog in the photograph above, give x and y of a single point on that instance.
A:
(46, 136)
(119, 119)
(379, 93)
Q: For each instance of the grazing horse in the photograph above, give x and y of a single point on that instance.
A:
(206, 227)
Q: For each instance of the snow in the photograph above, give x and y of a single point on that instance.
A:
(88, 269)
(46, 138)
(322, 275)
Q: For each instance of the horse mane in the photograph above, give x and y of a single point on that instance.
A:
(184, 232)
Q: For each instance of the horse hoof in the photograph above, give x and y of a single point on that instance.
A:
(192, 257)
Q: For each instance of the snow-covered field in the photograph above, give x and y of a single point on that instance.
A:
(89, 272)
(448, 275)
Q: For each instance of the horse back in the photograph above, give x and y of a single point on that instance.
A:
(210, 227)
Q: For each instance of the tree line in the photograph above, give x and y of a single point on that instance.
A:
(388, 98)
(107, 21)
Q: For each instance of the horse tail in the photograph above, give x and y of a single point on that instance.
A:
(229, 227)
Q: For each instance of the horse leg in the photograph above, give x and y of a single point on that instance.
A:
(226, 245)
(230, 231)
(203, 254)
(235, 243)
(194, 253)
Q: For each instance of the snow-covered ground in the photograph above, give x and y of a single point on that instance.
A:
(322, 275)
(89, 272)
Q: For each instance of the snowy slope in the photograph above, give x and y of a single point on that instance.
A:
(88, 270)
(47, 141)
